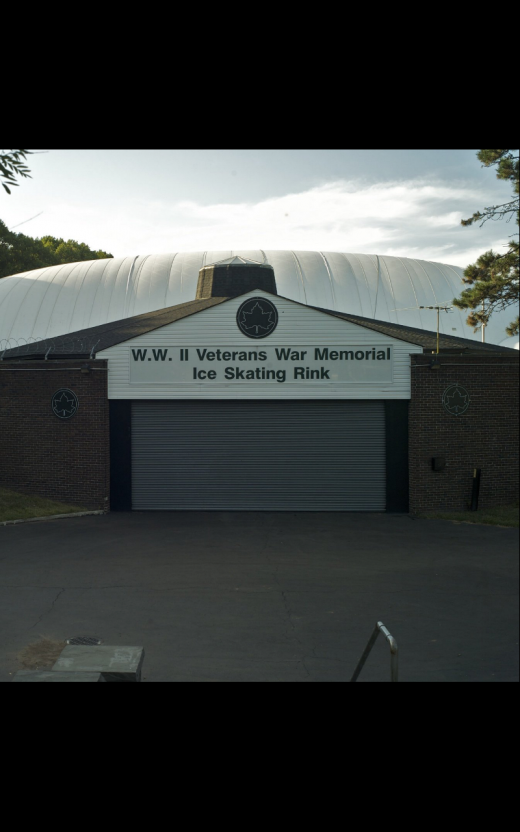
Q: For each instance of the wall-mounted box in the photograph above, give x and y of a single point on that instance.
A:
(438, 463)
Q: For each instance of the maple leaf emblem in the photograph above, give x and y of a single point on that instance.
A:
(64, 404)
(257, 319)
(456, 400)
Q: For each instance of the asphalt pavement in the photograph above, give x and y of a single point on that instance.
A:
(268, 597)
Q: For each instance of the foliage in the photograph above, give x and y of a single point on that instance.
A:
(70, 251)
(12, 165)
(507, 168)
(16, 506)
(21, 253)
(499, 516)
(493, 278)
(41, 654)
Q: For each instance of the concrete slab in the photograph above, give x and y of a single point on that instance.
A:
(116, 663)
(51, 676)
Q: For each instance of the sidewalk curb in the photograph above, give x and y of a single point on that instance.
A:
(465, 522)
(51, 517)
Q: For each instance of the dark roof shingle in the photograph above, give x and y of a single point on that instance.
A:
(98, 338)
(422, 337)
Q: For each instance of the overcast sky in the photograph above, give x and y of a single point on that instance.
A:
(128, 202)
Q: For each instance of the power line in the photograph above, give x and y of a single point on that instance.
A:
(23, 223)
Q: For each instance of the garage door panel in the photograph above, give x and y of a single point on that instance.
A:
(258, 455)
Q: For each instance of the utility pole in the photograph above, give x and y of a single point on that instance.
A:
(444, 307)
(438, 308)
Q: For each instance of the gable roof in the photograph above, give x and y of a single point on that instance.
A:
(422, 337)
(97, 338)
(87, 342)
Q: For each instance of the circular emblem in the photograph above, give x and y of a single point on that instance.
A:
(64, 403)
(456, 399)
(257, 317)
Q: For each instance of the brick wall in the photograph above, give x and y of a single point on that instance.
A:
(68, 459)
(62, 459)
(485, 436)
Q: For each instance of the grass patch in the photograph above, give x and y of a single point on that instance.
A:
(41, 655)
(14, 506)
(499, 516)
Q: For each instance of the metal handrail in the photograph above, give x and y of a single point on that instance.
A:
(379, 628)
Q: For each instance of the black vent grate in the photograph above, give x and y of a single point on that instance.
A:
(84, 640)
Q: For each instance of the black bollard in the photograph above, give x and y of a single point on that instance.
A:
(475, 489)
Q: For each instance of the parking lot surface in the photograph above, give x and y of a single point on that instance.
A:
(270, 597)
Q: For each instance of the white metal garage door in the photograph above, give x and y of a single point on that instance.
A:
(258, 455)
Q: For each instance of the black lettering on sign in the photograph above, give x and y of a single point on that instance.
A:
(160, 355)
(139, 355)
(308, 373)
(288, 354)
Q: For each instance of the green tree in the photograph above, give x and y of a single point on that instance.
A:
(493, 278)
(21, 253)
(70, 251)
(12, 164)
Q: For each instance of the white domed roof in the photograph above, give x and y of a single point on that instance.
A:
(53, 301)
(512, 342)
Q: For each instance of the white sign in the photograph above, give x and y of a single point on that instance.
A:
(276, 365)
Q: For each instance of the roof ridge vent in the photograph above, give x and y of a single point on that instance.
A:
(233, 277)
(233, 261)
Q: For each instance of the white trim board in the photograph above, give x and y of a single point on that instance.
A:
(299, 327)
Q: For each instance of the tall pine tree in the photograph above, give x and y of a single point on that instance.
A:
(493, 278)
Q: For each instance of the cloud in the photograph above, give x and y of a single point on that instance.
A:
(415, 218)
